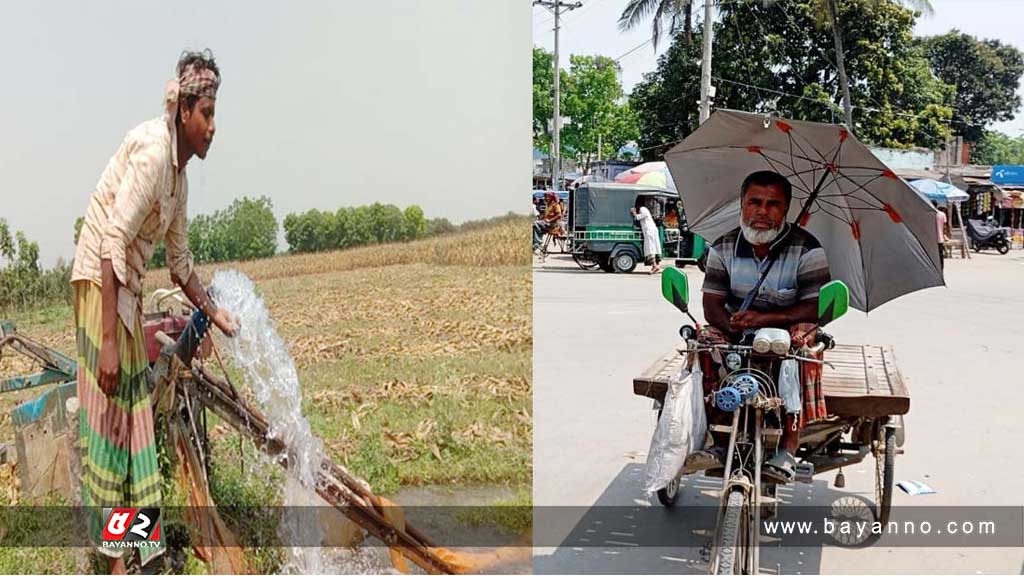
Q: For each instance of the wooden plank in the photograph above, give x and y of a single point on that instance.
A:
(868, 406)
(870, 360)
(895, 377)
(656, 390)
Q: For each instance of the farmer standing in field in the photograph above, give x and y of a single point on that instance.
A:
(141, 197)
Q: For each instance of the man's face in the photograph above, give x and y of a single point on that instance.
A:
(199, 125)
(764, 207)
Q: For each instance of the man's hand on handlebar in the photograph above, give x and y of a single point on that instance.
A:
(712, 335)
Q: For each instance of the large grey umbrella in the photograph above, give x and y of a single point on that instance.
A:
(878, 233)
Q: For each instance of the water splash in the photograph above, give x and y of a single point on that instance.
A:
(269, 369)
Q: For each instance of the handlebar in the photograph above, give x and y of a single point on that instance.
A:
(825, 341)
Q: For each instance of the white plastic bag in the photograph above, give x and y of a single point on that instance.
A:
(680, 430)
(789, 385)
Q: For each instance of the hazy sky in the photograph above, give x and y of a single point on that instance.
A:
(323, 104)
(593, 29)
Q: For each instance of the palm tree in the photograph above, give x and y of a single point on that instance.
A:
(672, 11)
(826, 13)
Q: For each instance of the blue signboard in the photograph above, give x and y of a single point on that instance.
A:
(1008, 174)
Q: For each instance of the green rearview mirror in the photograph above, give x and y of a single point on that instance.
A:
(675, 288)
(833, 301)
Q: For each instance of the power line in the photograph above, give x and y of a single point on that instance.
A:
(634, 49)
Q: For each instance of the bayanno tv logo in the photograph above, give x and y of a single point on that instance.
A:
(131, 528)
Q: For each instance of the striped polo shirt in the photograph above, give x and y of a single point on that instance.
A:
(733, 269)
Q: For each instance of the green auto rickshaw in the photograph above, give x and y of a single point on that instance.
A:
(604, 235)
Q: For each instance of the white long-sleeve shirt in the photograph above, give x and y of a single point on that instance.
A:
(652, 244)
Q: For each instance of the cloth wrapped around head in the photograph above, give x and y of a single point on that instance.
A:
(193, 80)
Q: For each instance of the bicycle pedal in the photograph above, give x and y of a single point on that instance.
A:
(804, 472)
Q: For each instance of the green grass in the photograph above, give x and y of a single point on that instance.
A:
(48, 318)
(38, 528)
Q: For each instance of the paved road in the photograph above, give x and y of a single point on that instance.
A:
(959, 349)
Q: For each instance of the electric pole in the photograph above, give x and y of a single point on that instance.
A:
(557, 6)
(705, 64)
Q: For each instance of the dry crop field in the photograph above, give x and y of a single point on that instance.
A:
(414, 359)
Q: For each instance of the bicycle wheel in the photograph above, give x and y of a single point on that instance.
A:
(731, 554)
(885, 473)
(585, 262)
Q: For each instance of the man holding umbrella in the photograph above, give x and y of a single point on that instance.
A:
(799, 190)
(789, 297)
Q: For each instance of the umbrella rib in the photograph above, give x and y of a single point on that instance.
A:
(792, 159)
(861, 187)
(864, 270)
(771, 162)
(853, 196)
(792, 140)
(912, 235)
(841, 217)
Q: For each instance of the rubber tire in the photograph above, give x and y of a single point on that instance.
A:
(667, 495)
(604, 263)
(617, 265)
(585, 263)
(728, 551)
(1003, 246)
(975, 246)
(883, 492)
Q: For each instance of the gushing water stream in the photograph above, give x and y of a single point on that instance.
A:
(268, 367)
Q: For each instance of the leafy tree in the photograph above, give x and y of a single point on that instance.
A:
(24, 283)
(543, 94)
(437, 226)
(833, 15)
(245, 230)
(997, 148)
(985, 73)
(79, 222)
(415, 223)
(770, 59)
(315, 230)
(594, 100)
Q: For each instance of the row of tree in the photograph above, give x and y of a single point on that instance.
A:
(247, 229)
(998, 148)
(318, 230)
(23, 284)
(797, 59)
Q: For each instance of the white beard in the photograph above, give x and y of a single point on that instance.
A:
(759, 237)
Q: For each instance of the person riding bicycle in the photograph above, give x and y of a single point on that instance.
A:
(788, 298)
(550, 222)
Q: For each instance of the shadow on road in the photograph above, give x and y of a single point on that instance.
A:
(624, 532)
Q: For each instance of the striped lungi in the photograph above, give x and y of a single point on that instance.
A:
(119, 458)
(813, 393)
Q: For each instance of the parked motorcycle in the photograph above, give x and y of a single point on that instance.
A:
(983, 237)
